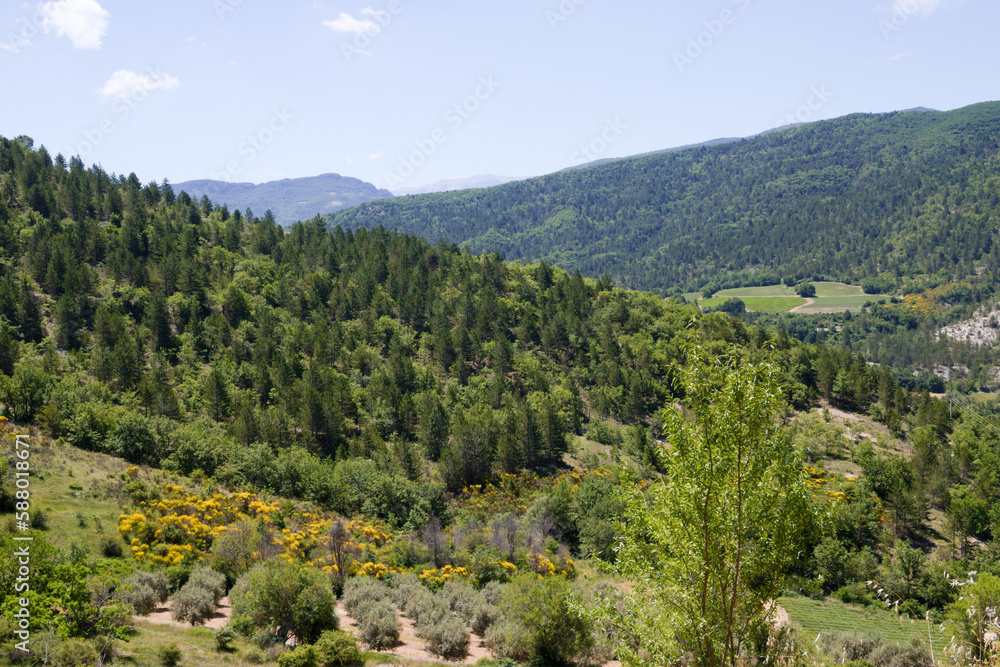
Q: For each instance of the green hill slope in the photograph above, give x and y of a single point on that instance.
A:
(902, 193)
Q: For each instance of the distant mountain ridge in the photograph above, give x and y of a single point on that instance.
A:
(898, 195)
(710, 142)
(450, 184)
(290, 199)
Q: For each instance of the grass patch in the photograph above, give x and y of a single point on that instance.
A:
(831, 616)
(839, 289)
(770, 290)
(759, 304)
(828, 304)
(79, 491)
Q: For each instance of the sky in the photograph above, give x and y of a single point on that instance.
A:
(402, 93)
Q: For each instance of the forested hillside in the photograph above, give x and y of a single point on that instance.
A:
(350, 406)
(171, 332)
(865, 196)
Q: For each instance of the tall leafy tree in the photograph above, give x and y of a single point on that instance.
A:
(708, 549)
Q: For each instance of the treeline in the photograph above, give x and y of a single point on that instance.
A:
(369, 371)
(883, 198)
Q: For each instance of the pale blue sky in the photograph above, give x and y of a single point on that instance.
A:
(249, 90)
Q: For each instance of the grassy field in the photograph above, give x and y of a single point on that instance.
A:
(78, 491)
(838, 304)
(838, 289)
(770, 290)
(759, 304)
(830, 616)
(830, 298)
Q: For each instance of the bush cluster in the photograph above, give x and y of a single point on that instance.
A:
(362, 592)
(860, 648)
(335, 648)
(196, 601)
(379, 626)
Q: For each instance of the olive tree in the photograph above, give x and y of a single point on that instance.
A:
(708, 546)
(294, 598)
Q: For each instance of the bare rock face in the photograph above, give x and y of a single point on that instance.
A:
(982, 328)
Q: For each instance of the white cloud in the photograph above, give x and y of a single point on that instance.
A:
(375, 156)
(908, 7)
(83, 21)
(347, 23)
(124, 83)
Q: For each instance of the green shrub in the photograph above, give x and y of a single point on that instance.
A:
(224, 637)
(448, 639)
(496, 662)
(40, 520)
(851, 645)
(300, 656)
(379, 627)
(142, 598)
(158, 581)
(265, 639)
(360, 592)
(429, 612)
(510, 639)
(178, 576)
(855, 593)
(603, 433)
(460, 597)
(894, 655)
(170, 655)
(492, 593)
(419, 600)
(404, 587)
(192, 604)
(548, 629)
(483, 616)
(207, 578)
(111, 546)
(255, 656)
(335, 648)
(73, 653)
(297, 598)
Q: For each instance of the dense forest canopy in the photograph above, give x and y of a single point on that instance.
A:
(867, 196)
(141, 323)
